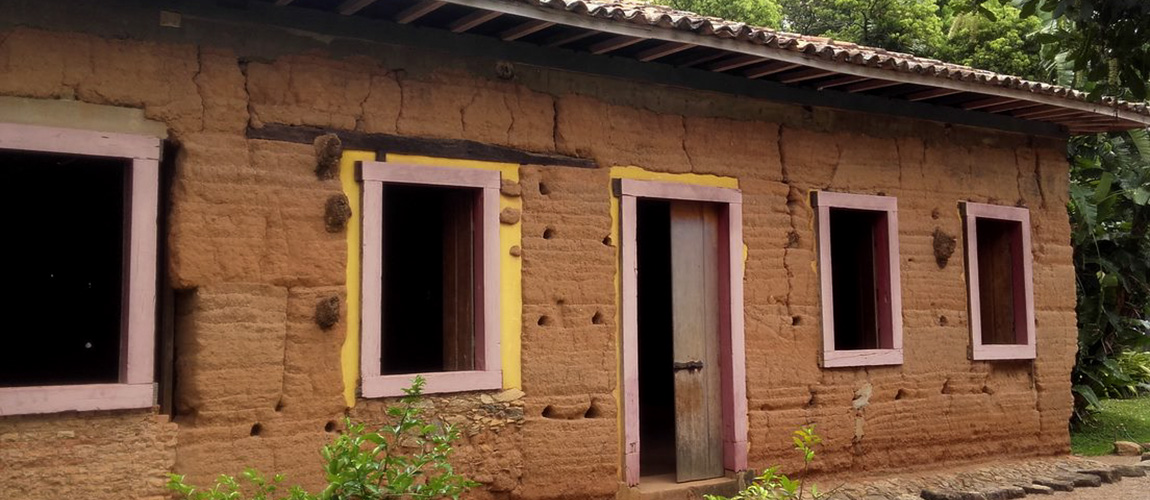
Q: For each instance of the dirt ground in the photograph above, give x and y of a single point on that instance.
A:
(1137, 488)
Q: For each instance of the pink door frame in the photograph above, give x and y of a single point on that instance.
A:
(732, 356)
(136, 388)
(1026, 348)
(488, 372)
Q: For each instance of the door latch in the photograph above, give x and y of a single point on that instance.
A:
(687, 365)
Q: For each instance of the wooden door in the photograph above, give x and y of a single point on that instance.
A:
(695, 317)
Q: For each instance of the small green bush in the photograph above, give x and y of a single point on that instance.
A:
(408, 458)
(771, 485)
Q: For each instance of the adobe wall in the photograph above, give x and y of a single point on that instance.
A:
(259, 383)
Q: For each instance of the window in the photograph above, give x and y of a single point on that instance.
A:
(859, 280)
(82, 212)
(998, 277)
(430, 278)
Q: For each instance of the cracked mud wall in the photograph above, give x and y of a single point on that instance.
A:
(259, 381)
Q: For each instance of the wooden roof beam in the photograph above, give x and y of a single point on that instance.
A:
(1036, 112)
(566, 38)
(527, 28)
(734, 63)
(930, 94)
(413, 13)
(613, 44)
(769, 69)
(349, 7)
(986, 103)
(804, 75)
(846, 80)
(472, 20)
(1054, 113)
(663, 50)
(870, 85)
(706, 58)
(1011, 106)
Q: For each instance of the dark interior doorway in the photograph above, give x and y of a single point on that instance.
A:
(64, 215)
(855, 278)
(656, 346)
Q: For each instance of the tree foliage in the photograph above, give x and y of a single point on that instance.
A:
(1006, 43)
(761, 13)
(901, 25)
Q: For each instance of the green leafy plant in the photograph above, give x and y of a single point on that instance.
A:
(773, 485)
(407, 458)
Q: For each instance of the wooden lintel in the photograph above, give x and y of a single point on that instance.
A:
(472, 20)
(349, 7)
(566, 38)
(613, 44)
(734, 63)
(440, 148)
(413, 13)
(768, 69)
(804, 75)
(930, 94)
(986, 103)
(662, 50)
(846, 80)
(525, 29)
(870, 85)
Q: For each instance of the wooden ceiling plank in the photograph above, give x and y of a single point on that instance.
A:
(413, 13)
(662, 50)
(527, 28)
(846, 80)
(349, 7)
(613, 44)
(472, 20)
(871, 85)
(734, 63)
(930, 94)
(566, 38)
(804, 75)
(769, 69)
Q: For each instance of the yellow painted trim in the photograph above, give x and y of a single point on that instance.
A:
(510, 266)
(349, 353)
(639, 173)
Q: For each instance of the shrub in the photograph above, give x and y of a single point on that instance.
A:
(771, 485)
(407, 458)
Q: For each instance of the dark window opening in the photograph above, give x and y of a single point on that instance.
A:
(429, 266)
(64, 215)
(999, 280)
(860, 279)
(655, 341)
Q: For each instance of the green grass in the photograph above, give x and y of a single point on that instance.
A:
(1119, 420)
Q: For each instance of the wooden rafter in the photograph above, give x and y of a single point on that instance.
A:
(1039, 111)
(734, 63)
(522, 30)
(349, 7)
(662, 50)
(1010, 106)
(804, 75)
(282, 3)
(472, 20)
(930, 94)
(768, 69)
(870, 85)
(413, 13)
(566, 38)
(845, 80)
(705, 58)
(986, 103)
(613, 44)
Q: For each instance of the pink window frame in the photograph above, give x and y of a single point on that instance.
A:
(488, 374)
(136, 387)
(731, 344)
(890, 328)
(1023, 274)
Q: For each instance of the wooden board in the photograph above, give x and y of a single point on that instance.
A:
(695, 317)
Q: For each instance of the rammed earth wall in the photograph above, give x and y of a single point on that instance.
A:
(259, 384)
